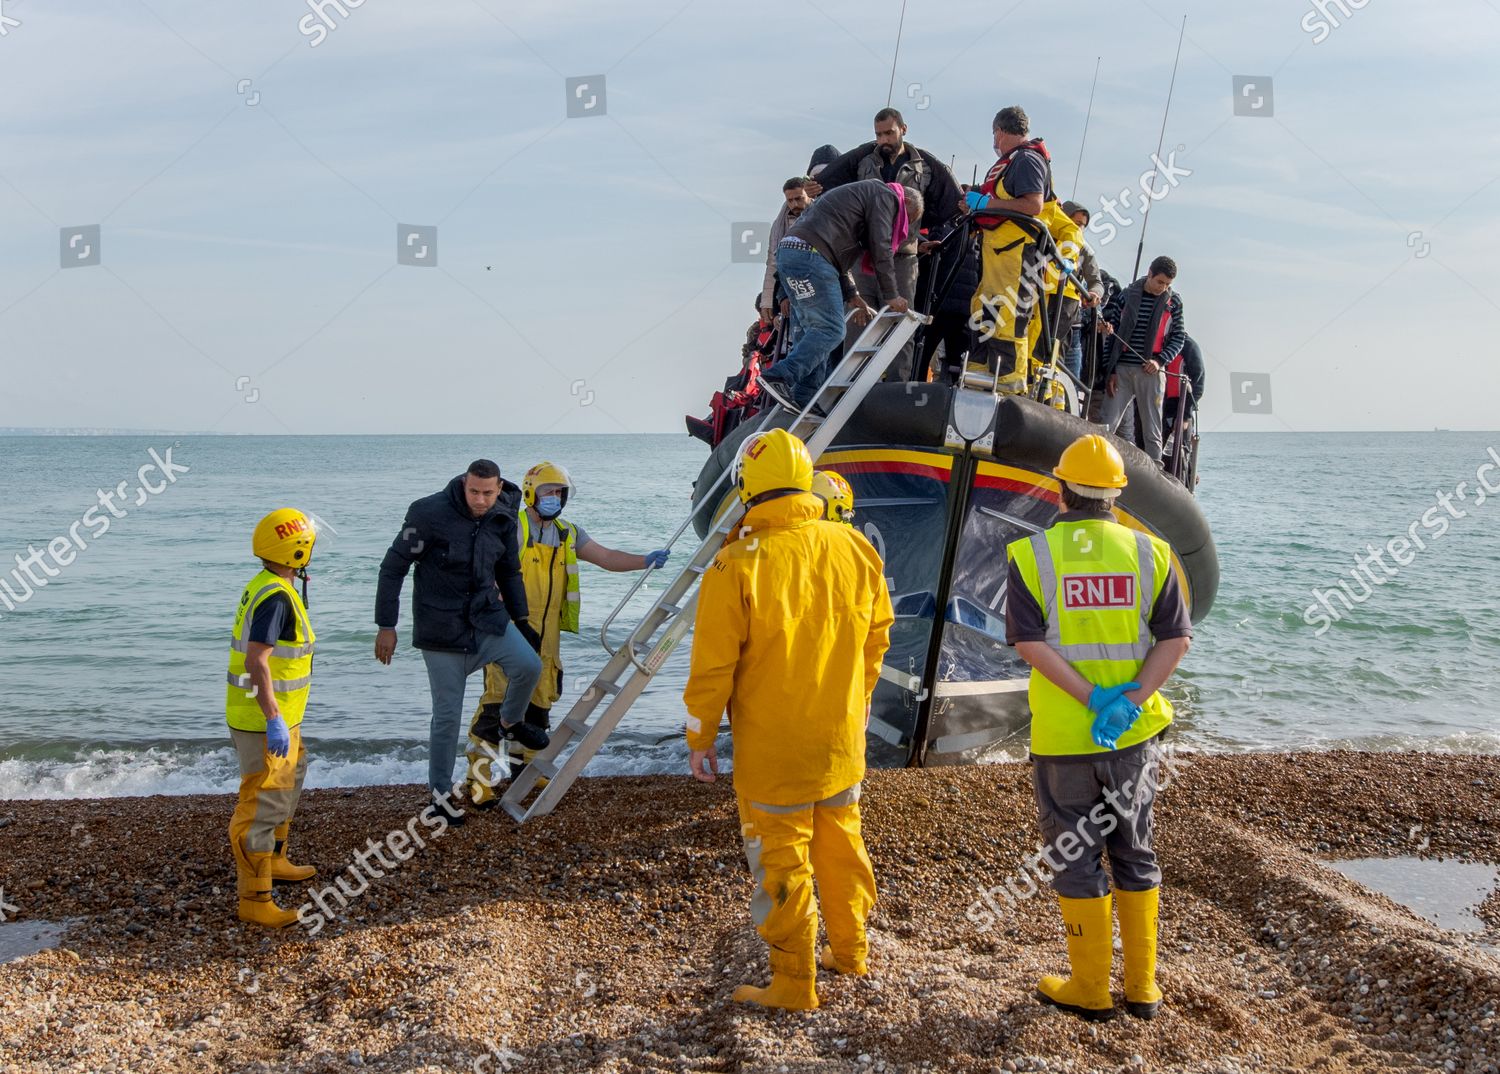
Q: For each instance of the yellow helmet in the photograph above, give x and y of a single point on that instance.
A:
(836, 493)
(285, 537)
(774, 461)
(1092, 467)
(545, 473)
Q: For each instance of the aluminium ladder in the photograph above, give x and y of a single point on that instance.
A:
(632, 666)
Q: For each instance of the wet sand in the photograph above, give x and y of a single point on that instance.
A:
(609, 936)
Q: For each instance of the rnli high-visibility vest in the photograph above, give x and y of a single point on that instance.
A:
(542, 580)
(1096, 582)
(290, 662)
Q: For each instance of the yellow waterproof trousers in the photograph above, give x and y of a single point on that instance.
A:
(1004, 308)
(786, 847)
(269, 790)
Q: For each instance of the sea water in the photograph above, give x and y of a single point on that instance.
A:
(112, 673)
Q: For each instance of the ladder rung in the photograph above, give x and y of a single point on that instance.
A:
(639, 660)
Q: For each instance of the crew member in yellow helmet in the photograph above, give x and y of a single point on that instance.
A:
(270, 675)
(550, 548)
(1095, 609)
(793, 622)
(830, 486)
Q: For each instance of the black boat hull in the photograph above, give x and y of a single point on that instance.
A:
(952, 691)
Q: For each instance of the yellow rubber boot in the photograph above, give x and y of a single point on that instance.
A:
(282, 870)
(1090, 954)
(792, 984)
(1138, 911)
(829, 961)
(256, 904)
(485, 765)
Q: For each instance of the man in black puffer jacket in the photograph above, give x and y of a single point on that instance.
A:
(468, 595)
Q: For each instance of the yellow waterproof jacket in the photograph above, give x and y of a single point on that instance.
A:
(793, 621)
(1069, 239)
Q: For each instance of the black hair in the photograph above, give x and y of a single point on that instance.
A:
(889, 113)
(484, 468)
(1163, 266)
(796, 182)
(1073, 501)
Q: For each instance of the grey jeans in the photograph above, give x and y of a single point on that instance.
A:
(869, 289)
(1087, 805)
(448, 674)
(1146, 391)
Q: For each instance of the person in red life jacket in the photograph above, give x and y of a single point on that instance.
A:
(1145, 330)
(1010, 269)
(1186, 366)
(892, 159)
(864, 221)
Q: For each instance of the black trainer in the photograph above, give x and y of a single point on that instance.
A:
(527, 734)
(446, 807)
(780, 391)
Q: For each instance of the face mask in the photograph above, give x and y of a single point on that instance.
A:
(549, 506)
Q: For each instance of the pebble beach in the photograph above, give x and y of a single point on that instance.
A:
(610, 935)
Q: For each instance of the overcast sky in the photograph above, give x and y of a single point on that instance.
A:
(248, 180)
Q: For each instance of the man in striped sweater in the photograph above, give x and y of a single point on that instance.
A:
(1145, 329)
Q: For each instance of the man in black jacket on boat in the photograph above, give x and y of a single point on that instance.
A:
(469, 609)
(892, 159)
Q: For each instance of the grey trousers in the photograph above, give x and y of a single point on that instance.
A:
(1146, 391)
(448, 674)
(869, 290)
(1085, 806)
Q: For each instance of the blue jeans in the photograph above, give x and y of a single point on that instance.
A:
(447, 675)
(1072, 352)
(812, 283)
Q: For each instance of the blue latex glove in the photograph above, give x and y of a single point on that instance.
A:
(278, 738)
(1118, 717)
(1103, 695)
(976, 201)
(1068, 267)
(657, 559)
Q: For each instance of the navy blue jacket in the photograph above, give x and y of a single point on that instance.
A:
(468, 570)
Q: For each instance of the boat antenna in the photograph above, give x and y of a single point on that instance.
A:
(891, 89)
(1087, 116)
(1156, 160)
